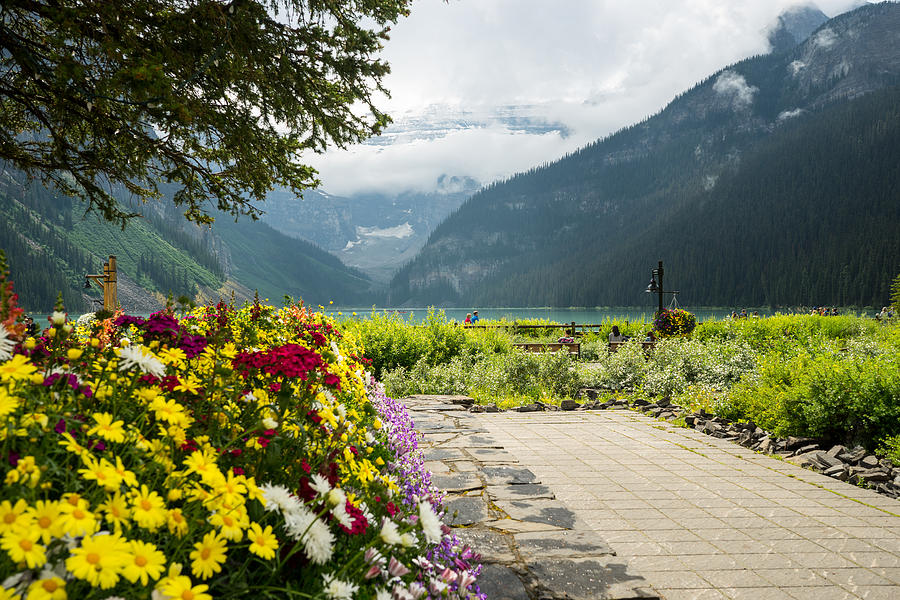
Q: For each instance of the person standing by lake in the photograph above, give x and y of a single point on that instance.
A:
(468, 320)
(474, 317)
(615, 335)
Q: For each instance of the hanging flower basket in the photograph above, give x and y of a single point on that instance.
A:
(674, 321)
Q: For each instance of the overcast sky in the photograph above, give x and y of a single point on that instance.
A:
(591, 66)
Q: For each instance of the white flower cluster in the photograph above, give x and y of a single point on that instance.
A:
(301, 524)
(142, 358)
(6, 344)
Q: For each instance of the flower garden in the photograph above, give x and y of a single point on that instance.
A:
(226, 453)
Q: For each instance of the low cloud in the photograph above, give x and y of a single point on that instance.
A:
(484, 154)
(734, 87)
(826, 38)
(796, 66)
(790, 114)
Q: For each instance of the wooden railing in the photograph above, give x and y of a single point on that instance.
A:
(572, 329)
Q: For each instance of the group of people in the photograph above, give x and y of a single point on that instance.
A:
(471, 318)
(887, 312)
(617, 336)
(824, 311)
(743, 314)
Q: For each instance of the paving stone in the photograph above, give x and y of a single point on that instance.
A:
(444, 454)
(462, 482)
(465, 510)
(464, 466)
(492, 455)
(504, 475)
(565, 544)
(493, 547)
(519, 491)
(436, 466)
(498, 582)
(438, 438)
(512, 526)
(579, 579)
(473, 441)
(551, 512)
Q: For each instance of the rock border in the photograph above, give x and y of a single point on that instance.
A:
(853, 465)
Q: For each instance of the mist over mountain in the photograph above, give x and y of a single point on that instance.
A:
(585, 230)
(793, 26)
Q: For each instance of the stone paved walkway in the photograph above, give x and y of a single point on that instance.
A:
(705, 519)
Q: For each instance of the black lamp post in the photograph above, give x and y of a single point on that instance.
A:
(656, 285)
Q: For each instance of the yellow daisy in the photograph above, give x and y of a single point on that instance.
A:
(181, 588)
(76, 519)
(176, 522)
(208, 555)
(100, 471)
(52, 588)
(46, 517)
(128, 478)
(68, 442)
(263, 542)
(148, 508)
(21, 544)
(8, 403)
(16, 368)
(146, 563)
(117, 512)
(12, 515)
(106, 428)
(99, 560)
(203, 463)
(231, 523)
(189, 384)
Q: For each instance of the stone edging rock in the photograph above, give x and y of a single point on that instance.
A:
(853, 465)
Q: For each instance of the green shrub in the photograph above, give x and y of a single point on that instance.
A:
(838, 396)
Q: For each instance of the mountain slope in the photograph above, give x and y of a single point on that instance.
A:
(50, 247)
(557, 230)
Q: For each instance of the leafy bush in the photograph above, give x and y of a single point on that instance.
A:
(839, 397)
(491, 377)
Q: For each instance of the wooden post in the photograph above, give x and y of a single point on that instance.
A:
(108, 282)
(111, 293)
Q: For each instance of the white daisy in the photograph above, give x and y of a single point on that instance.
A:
(318, 541)
(336, 497)
(6, 344)
(276, 497)
(431, 525)
(339, 512)
(337, 589)
(320, 484)
(389, 533)
(142, 358)
(382, 594)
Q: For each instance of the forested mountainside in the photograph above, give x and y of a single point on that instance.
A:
(51, 245)
(772, 182)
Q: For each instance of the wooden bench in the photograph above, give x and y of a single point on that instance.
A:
(570, 347)
(648, 346)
